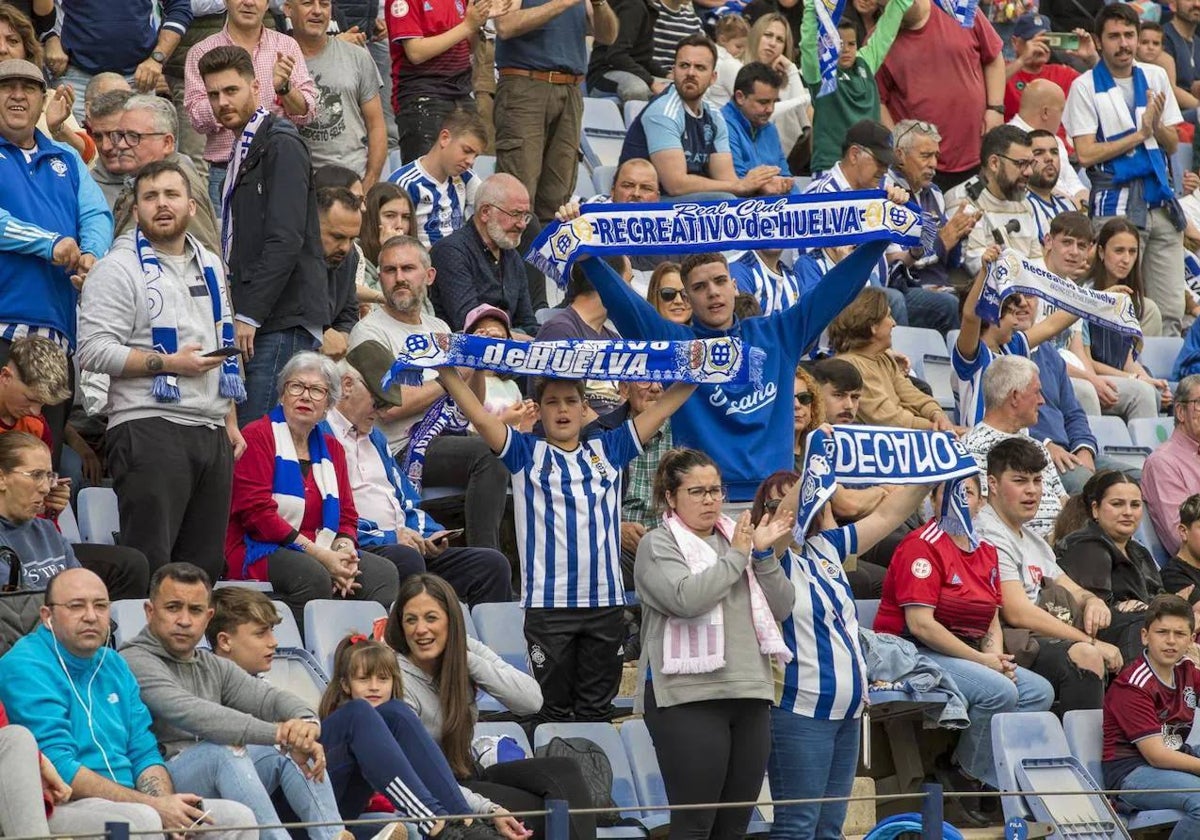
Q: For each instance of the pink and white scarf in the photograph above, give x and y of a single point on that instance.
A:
(697, 645)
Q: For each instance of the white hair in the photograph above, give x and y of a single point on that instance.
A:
(1003, 376)
(307, 361)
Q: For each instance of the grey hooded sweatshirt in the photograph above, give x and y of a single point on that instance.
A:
(206, 698)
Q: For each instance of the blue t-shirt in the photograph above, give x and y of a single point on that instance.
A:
(666, 124)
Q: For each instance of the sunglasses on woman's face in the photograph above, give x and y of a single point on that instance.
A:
(804, 398)
(668, 295)
(772, 505)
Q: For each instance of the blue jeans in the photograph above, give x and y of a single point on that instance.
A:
(216, 188)
(932, 310)
(216, 771)
(311, 800)
(387, 749)
(989, 693)
(78, 79)
(811, 758)
(898, 304)
(1073, 480)
(271, 352)
(1152, 778)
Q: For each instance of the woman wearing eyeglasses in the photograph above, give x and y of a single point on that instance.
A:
(666, 294)
(26, 478)
(292, 520)
(712, 594)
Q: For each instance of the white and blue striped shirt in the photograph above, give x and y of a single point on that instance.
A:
(567, 507)
(827, 677)
(1045, 211)
(776, 291)
(441, 207)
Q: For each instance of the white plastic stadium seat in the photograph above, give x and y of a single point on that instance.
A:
(98, 516)
(328, 621)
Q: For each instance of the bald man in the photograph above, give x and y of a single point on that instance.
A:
(1042, 103)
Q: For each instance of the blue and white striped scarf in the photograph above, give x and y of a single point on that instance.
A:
(231, 176)
(164, 322)
(962, 11)
(703, 361)
(441, 418)
(806, 221)
(870, 455)
(287, 488)
(829, 42)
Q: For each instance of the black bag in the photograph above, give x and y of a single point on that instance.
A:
(19, 609)
(596, 769)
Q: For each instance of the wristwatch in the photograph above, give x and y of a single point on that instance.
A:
(159, 56)
(285, 88)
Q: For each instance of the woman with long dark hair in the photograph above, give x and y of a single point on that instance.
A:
(389, 212)
(443, 670)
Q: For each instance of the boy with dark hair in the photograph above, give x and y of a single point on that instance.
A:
(1183, 569)
(1148, 715)
(565, 491)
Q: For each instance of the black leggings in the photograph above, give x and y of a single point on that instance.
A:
(1075, 687)
(526, 785)
(710, 751)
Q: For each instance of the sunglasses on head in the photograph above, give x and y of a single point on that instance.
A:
(668, 295)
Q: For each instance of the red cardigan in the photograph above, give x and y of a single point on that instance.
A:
(253, 510)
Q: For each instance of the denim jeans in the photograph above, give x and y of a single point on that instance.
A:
(932, 310)
(271, 352)
(1073, 480)
(216, 188)
(214, 770)
(1152, 778)
(988, 693)
(312, 801)
(811, 758)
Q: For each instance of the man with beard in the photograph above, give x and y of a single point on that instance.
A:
(1042, 108)
(155, 317)
(1129, 174)
(999, 192)
(1043, 200)
(405, 275)
(270, 236)
(480, 262)
(340, 214)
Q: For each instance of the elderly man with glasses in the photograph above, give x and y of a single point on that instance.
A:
(1172, 473)
(481, 263)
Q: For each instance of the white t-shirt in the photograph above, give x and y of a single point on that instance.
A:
(1080, 115)
(1025, 556)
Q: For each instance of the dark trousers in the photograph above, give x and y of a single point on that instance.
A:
(271, 352)
(466, 461)
(124, 570)
(298, 578)
(55, 415)
(946, 181)
(478, 575)
(710, 751)
(173, 486)
(576, 658)
(1075, 687)
(526, 785)
(419, 119)
(386, 749)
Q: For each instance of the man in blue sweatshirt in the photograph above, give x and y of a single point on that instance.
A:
(131, 37)
(83, 706)
(754, 424)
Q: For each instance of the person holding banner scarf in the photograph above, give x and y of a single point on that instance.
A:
(1121, 116)
(821, 694)
(712, 593)
(943, 591)
(567, 505)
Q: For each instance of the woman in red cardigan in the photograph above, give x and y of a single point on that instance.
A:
(27, 796)
(292, 519)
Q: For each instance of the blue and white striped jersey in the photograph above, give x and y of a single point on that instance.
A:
(775, 291)
(442, 207)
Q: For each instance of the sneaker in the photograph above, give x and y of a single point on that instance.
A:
(952, 778)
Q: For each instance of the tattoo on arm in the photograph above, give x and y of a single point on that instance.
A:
(154, 363)
(986, 644)
(153, 783)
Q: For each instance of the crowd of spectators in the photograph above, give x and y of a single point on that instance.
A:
(222, 221)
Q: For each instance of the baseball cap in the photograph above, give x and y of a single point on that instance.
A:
(19, 68)
(486, 310)
(1029, 25)
(372, 360)
(872, 136)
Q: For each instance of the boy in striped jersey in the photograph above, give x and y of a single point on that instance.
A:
(440, 183)
(1148, 719)
(567, 504)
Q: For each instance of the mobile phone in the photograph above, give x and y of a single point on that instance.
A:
(199, 820)
(1062, 40)
(223, 352)
(452, 535)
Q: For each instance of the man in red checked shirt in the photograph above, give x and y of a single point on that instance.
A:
(1148, 715)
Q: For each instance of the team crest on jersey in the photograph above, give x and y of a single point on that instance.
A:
(1172, 737)
(829, 567)
(59, 166)
(921, 568)
(598, 465)
(458, 7)
(537, 656)
(399, 8)
(1189, 697)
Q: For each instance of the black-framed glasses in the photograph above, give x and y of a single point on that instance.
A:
(316, 393)
(668, 295)
(1020, 164)
(524, 217)
(130, 138)
(804, 398)
(716, 493)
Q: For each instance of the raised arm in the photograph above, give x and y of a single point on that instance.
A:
(490, 427)
(651, 420)
(897, 506)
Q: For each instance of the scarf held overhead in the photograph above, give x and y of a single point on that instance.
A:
(829, 42)
(164, 320)
(703, 361)
(870, 455)
(1013, 274)
(697, 645)
(810, 220)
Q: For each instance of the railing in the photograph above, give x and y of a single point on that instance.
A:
(557, 813)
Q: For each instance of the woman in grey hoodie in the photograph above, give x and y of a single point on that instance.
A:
(443, 669)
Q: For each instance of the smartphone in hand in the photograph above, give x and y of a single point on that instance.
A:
(223, 352)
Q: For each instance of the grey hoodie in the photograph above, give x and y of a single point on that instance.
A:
(42, 550)
(205, 698)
